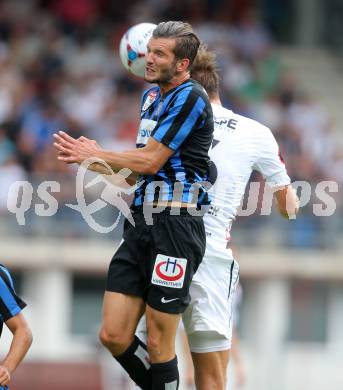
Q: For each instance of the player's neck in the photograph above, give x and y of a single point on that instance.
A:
(173, 83)
(215, 100)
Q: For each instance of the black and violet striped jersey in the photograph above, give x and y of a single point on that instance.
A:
(182, 120)
(10, 303)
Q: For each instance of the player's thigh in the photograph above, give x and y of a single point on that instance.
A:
(178, 245)
(121, 314)
(210, 369)
(210, 309)
(124, 274)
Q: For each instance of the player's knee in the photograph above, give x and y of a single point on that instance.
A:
(114, 340)
(160, 350)
(153, 344)
(106, 337)
(218, 382)
(210, 381)
(209, 377)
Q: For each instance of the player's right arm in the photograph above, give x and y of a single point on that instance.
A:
(21, 342)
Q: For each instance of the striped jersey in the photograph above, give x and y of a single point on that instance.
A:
(182, 120)
(10, 303)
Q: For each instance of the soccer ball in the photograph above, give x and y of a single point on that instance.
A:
(133, 49)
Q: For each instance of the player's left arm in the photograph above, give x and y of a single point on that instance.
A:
(147, 160)
(173, 127)
(271, 165)
(185, 114)
(239, 367)
(21, 342)
(287, 202)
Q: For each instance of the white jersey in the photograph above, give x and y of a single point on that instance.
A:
(240, 145)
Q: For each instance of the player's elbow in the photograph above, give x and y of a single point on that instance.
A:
(150, 171)
(151, 167)
(26, 336)
(23, 335)
(153, 170)
(29, 338)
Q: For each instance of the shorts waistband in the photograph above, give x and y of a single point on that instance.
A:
(173, 211)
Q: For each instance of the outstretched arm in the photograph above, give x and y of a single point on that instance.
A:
(147, 160)
(21, 342)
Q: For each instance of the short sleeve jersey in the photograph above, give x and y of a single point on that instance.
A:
(240, 145)
(10, 303)
(182, 120)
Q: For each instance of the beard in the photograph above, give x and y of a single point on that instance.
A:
(164, 75)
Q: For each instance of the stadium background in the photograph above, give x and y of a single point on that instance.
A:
(281, 63)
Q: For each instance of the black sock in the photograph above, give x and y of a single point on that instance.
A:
(135, 361)
(165, 376)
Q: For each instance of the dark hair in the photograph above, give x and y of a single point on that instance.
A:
(205, 70)
(187, 43)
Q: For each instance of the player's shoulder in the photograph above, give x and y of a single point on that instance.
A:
(197, 89)
(190, 88)
(155, 90)
(248, 125)
(5, 274)
(3, 269)
(220, 112)
(252, 124)
(224, 115)
(149, 96)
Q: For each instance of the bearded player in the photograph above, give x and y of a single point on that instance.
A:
(240, 145)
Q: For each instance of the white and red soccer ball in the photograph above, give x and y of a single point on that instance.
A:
(133, 47)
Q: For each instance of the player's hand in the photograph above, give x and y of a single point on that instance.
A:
(5, 376)
(92, 141)
(71, 150)
(240, 375)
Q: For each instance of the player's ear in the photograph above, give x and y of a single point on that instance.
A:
(182, 65)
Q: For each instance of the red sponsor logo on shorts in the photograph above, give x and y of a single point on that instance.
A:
(171, 272)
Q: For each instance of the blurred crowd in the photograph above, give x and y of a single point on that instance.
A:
(60, 69)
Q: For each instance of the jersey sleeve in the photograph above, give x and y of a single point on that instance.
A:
(10, 303)
(269, 162)
(186, 112)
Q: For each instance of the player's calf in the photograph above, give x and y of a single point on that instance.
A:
(210, 370)
(118, 336)
(161, 328)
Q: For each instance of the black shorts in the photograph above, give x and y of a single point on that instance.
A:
(157, 262)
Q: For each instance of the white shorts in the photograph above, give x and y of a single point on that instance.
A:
(208, 319)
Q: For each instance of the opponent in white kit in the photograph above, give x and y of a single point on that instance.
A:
(240, 145)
